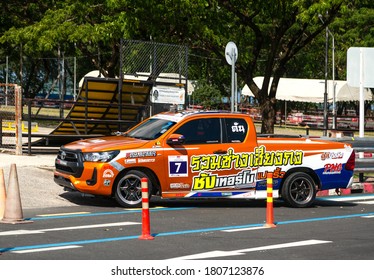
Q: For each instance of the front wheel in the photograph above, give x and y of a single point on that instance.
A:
(299, 190)
(128, 192)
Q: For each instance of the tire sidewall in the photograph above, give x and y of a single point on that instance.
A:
(135, 174)
(286, 190)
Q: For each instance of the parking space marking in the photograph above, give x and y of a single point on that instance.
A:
(356, 198)
(62, 214)
(245, 229)
(218, 253)
(366, 202)
(24, 232)
(46, 249)
(171, 233)
(89, 214)
(368, 217)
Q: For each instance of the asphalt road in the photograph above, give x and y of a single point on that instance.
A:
(66, 226)
(334, 230)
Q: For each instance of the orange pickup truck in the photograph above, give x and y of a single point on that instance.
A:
(203, 154)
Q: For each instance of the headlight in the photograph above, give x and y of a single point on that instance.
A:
(100, 156)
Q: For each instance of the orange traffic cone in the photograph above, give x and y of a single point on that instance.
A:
(13, 209)
(2, 193)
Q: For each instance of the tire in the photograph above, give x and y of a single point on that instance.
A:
(128, 189)
(299, 190)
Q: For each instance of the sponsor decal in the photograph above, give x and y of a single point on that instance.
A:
(107, 183)
(249, 194)
(226, 193)
(332, 155)
(130, 161)
(277, 173)
(238, 128)
(205, 165)
(141, 154)
(208, 181)
(140, 160)
(231, 160)
(178, 166)
(333, 168)
(179, 186)
(108, 173)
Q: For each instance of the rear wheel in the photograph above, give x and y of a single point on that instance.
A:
(299, 190)
(128, 192)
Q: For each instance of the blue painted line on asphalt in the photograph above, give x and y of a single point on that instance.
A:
(155, 210)
(106, 213)
(83, 242)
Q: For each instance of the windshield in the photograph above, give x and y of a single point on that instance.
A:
(151, 129)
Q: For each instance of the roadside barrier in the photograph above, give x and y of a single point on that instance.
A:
(2, 193)
(269, 201)
(10, 125)
(13, 213)
(146, 225)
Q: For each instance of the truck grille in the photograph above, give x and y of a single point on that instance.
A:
(69, 161)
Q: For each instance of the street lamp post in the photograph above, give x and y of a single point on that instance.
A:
(333, 82)
(325, 115)
(325, 110)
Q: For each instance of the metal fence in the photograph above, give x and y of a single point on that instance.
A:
(156, 61)
(11, 117)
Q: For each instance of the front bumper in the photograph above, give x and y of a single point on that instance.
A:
(64, 182)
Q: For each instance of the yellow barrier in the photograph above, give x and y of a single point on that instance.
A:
(11, 126)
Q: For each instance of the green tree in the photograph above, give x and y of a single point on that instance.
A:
(270, 35)
(207, 95)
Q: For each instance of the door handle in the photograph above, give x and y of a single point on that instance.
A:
(220, 152)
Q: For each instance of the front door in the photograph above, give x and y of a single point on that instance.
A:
(212, 162)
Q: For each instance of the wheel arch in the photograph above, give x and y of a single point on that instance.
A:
(306, 170)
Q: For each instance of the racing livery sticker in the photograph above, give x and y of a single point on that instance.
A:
(260, 157)
(206, 181)
(206, 164)
(141, 154)
(238, 128)
(178, 166)
(333, 168)
(108, 173)
(107, 182)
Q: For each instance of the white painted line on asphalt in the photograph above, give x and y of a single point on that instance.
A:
(62, 214)
(348, 198)
(244, 229)
(368, 217)
(46, 249)
(23, 232)
(217, 254)
(366, 202)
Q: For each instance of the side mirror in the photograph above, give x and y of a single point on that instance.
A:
(175, 139)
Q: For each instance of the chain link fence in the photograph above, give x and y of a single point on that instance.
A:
(165, 65)
(58, 81)
(156, 61)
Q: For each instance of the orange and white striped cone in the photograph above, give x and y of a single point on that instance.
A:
(269, 201)
(146, 225)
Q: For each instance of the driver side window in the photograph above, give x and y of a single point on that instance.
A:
(201, 131)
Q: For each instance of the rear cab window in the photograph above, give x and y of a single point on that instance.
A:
(236, 130)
